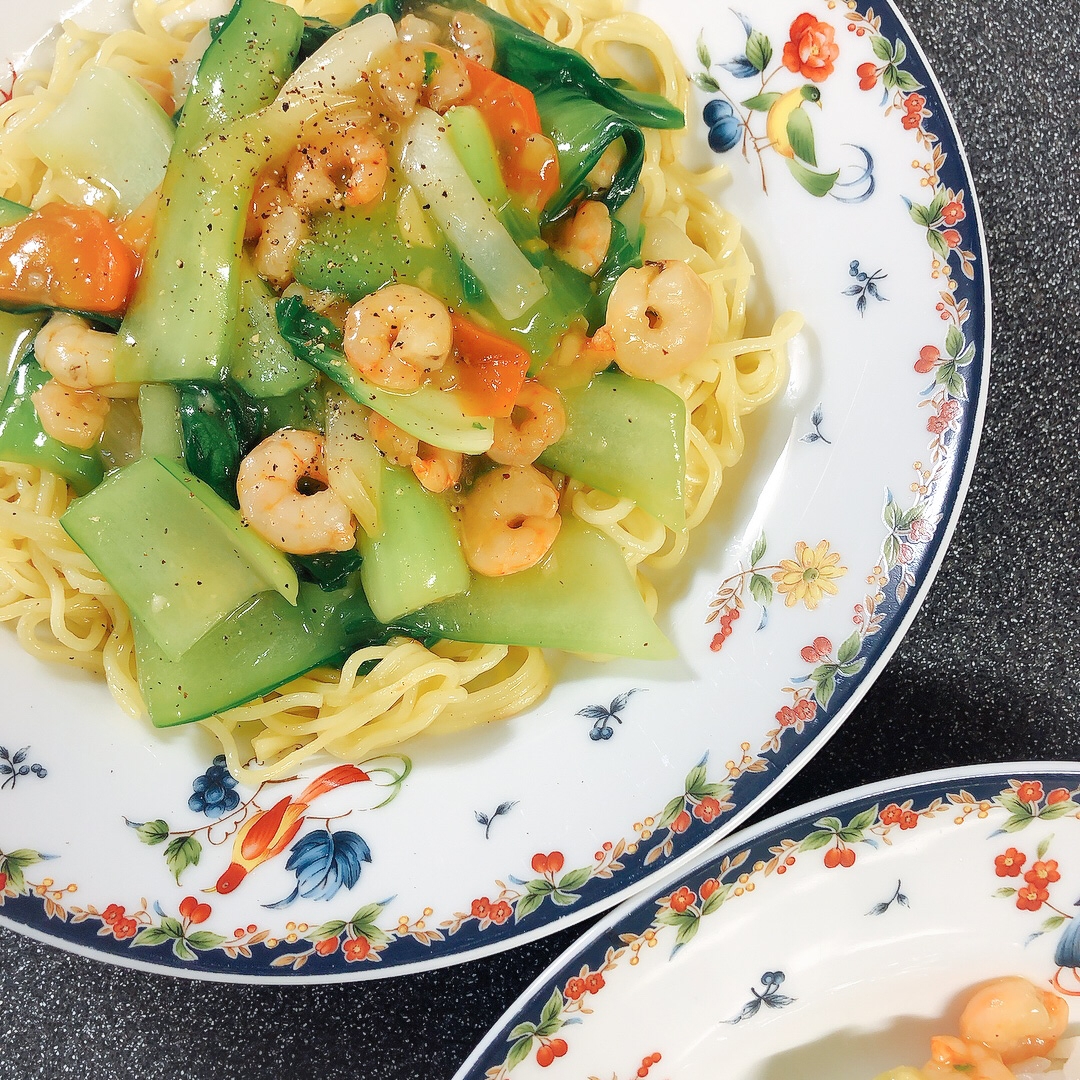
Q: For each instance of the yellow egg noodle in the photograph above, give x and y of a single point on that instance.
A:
(63, 609)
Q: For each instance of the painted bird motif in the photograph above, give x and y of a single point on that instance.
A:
(267, 833)
(787, 126)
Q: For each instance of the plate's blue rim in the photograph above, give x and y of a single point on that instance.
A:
(635, 915)
(25, 914)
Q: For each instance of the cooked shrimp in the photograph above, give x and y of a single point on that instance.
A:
(659, 317)
(583, 241)
(401, 80)
(397, 336)
(270, 196)
(284, 497)
(73, 417)
(413, 28)
(951, 1057)
(449, 84)
(435, 468)
(282, 233)
(75, 355)
(473, 37)
(538, 421)
(509, 520)
(603, 172)
(1014, 1019)
(347, 164)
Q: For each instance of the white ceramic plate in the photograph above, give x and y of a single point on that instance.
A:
(625, 770)
(828, 943)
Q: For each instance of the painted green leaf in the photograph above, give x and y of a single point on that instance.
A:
(907, 82)
(694, 779)
(327, 931)
(173, 928)
(937, 204)
(671, 812)
(758, 552)
(920, 215)
(368, 913)
(667, 917)
(715, 790)
(1005, 892)
(564, 899)
(704, 59)
(882, 49)
(954, 342)
(944, 373)
(956, 386)
(518, 1052)
(850, 835)
(527, 1028)
(830, 822)
(150, 935)
(899, 52)
(574, 879)
(815, 840)
(182, 852)
(552, 1007)
(527, 905)
(1058, 810)
(849, 649)
(181, 951)
(1044, 845)
(910, 516)
(853, 668)
(687, 930)
(539, 887)
(761, 589)
(966, 356)
(1015, 824)
(800, 134)
(825, 689)
(890, 77)
(153, 832)
(1053, 922)
(704, 81)
(865, 819)
(1008, 801)
(203, 940)
(892, 513)
(890, 551)
(761, 102)
(759, 50)
(817, 184)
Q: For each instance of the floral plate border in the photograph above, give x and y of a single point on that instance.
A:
(542, 1025)
(183, 938)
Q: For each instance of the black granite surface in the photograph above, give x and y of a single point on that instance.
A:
(990, 670)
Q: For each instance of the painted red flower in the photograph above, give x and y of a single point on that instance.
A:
(909, 819)
(910, 121)
(953, 212)
(811, 52)
(326, 946)
(914, 103)
(356, 949)
(1031, 897)
(785, 717)
(919, 531)
(707, 809)
(681, 899)
(481, 908)
(1030, 791)
(594, 982)
(936, 425)
(500, 912)
(3, 882)
(952, 238)
(1043, 873)
(111, 914)
(805, 709)
(1009, 864)
(575, 988)
(681, 822)
(1058, 795)
(124, 928)
(891, 815)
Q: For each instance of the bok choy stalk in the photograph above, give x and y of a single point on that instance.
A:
(538, 64)
(434, 416)
(181, 322)
(511, 282)
(317, 32)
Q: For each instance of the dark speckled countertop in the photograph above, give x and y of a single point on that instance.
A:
(990, 670)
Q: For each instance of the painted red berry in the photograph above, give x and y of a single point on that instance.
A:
(708, 887)
(832, 857)
(1056, 796)
(558, 1047)
(928, 358)
(681, 822)
(3, 882)
(951, 237)
(847, 857)
(187, 906)
(326, 946)
(545, 1056)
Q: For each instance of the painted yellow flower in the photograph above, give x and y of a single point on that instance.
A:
(810, 576)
